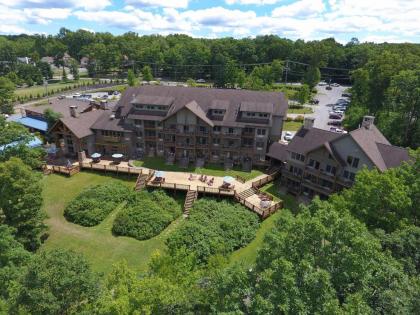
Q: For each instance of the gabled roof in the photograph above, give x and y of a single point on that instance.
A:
(81, 126)
(34, 123)
(229, 99)
(153, 100)
(107, 121)
(194, 108)
(308, 139)
(256, 107)
(367, 139)
(278, 151)
(392, 155)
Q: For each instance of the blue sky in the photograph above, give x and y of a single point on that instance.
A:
(368, 20)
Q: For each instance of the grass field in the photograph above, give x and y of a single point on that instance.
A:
(248, 254)
(291, 125)
(39, 89)
(100, 247)
(304, 110)
(211, 170)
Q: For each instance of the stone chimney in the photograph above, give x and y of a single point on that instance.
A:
(73, 111)
(368, 121)
(308, 122)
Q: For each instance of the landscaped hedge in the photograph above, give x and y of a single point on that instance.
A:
(146, 215)
(91, 206)
(215, 227)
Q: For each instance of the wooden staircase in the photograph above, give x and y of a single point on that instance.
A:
(189, 201)
(141, 182)
(248, 193)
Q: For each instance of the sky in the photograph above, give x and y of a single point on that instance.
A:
(368, 20)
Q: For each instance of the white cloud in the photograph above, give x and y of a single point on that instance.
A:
(54, 4)
(45, 16)
(159, 3)
(247, 2)
(300, 9)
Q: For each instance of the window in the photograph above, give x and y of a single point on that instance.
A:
(139, 134)
(247, 142)
(314, 164)
(137, 122)
(353, 161)
(262, 115)
(248, 130)
(217, 112)
(202, 129)
(260, 144)
(331, 169)
(230, 130)
(217, 128)
(298, 157)
(261, 132)
(216, 140)
(295, 170)
(349, 175)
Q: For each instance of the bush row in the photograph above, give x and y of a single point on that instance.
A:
(298, 118)
(146, 215)
(91, 206)
(215, 227)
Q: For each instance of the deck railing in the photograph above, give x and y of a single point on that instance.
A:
(112, 168)
(70, 171)
(169, 185)
(261, 182)
(215, 190)
(263, 212)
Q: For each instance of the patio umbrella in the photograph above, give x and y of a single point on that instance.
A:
(96, 155)
(228, 179)
(117, 156)
(160, 174)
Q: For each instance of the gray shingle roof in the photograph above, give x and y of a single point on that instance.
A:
(206, 98)
(153, 100)
(81, 126)
(256, 107)
(278, 151)
(306, 140)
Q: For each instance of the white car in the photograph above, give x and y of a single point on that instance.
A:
(322, 83)
(288, 136)
(335, 84)
(339, 112)
(201, 81)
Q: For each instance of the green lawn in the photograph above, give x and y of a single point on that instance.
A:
(209, 169)
(304, 110)
(97, 243)
(39, 89)
(120, 88)
(291, 125)
(248, 254)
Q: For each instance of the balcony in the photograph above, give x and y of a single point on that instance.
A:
(111, 139)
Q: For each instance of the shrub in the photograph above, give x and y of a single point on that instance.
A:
(92, 206)
(299, 118)
(146, 215)
(215, 227)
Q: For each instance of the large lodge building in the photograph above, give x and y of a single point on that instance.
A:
(224, 126)
(182, 125)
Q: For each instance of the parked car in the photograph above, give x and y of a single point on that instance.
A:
(322, 83)
(328, 88)
(335, 123)
(339, 107)
(346, 94)
(335, 84)
(201, 81)
(288, 136)
(339, 112)
(335, 116)
(61, 97)
(314, 101)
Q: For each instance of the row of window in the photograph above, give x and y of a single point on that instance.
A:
(298, 156)
(110, 133)
(151, 107)
(260, 115)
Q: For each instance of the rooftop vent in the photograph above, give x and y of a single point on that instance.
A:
(112, 117)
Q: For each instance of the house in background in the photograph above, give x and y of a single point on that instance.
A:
(321, 162)
(48, 59)
(84, 62)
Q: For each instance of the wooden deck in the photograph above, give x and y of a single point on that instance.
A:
(245, 192)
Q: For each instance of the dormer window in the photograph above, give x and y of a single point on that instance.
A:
(218, 112)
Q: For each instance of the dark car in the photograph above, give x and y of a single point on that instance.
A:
(335, 123)
(346, 95)
(335, 116)
(328, 87)
(314, 101)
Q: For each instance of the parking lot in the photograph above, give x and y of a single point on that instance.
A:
(326, 100)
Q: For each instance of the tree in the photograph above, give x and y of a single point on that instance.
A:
(64, 75)
(380, 200)
(7, 88)
(51, 117)
(56, 282)
(303, 94)
(45, 69)
(312, 76)
(147, 73)
(13, 259)
(131, 78)
(14, 138)
(74, 69)
(21, 201)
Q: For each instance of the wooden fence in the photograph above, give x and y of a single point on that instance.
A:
(261, 182)
(113, 168)
(240, 179)
(168, 185)
(69, 171)
(215, 191)
(263, 212)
